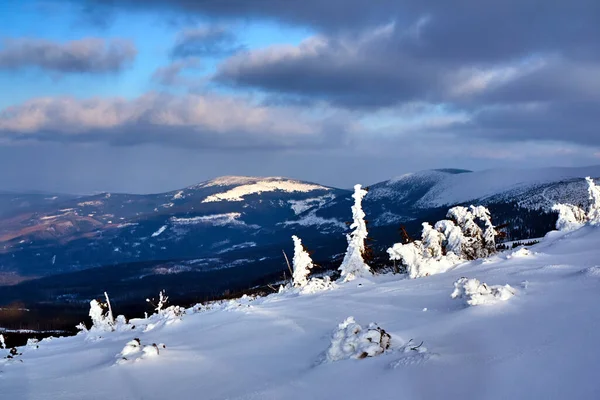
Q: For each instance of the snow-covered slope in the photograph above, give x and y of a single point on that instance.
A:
(460, 188)
(540, 344)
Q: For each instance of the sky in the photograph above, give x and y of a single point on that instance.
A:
(154, 95)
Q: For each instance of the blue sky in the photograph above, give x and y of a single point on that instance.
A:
(153, 37)
(338, 92)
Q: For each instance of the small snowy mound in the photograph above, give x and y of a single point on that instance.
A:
(522, 252)
(350, 340)
(134, 351)
(476, 293)
(411, 354)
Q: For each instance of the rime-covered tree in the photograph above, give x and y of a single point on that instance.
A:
(571, 217)
(354, 265)
(433, 241)
(489, 233)
(448, 243)
(453, 237)
(478, 242)
(594, 209)
(302, 263)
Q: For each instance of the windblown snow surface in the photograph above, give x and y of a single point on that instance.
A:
(541, 343)
(458, 188)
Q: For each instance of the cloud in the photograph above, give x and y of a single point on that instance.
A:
(561, 121)
(193, 120)
(349, 70)
(337, 13)
(206, 41)
(89, 55)
(171, 75)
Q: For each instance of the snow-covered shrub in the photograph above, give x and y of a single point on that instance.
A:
(33, 342)
(2, 342)
(315, 285)
(571, 217)
(162, 300)
(476, 293)
(134, 351)
(353, 265)
(102, 318)
(302, 263)
(350, 340)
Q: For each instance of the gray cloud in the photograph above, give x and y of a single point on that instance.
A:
(353, 71)
(561, 121)
(196, 120)
(206, 41)
(90, 55)
(464, 28)
(334, 13)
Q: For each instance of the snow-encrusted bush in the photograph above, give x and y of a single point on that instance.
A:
(302, 263)
(469, 234)
(350, 340)
(135, 351)
(476, 293)
(2, 342)
(315, 285)
(419, 261)
(354, 265)
(571, 217)
(162, 301)
(102, 318)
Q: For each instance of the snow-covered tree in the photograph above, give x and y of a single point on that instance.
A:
(594, 210)
(571, 217)
(302, 263)
(448, 243)
(478, 242)
(433, 241)
(453, 236)
(2, 342)
(354, 265)
(489, 232)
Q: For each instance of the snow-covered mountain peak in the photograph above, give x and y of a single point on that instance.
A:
(238, 187)
(232, 180)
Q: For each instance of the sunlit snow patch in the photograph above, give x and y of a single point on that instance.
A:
(237, 193)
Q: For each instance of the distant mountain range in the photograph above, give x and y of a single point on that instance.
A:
(242, 223)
